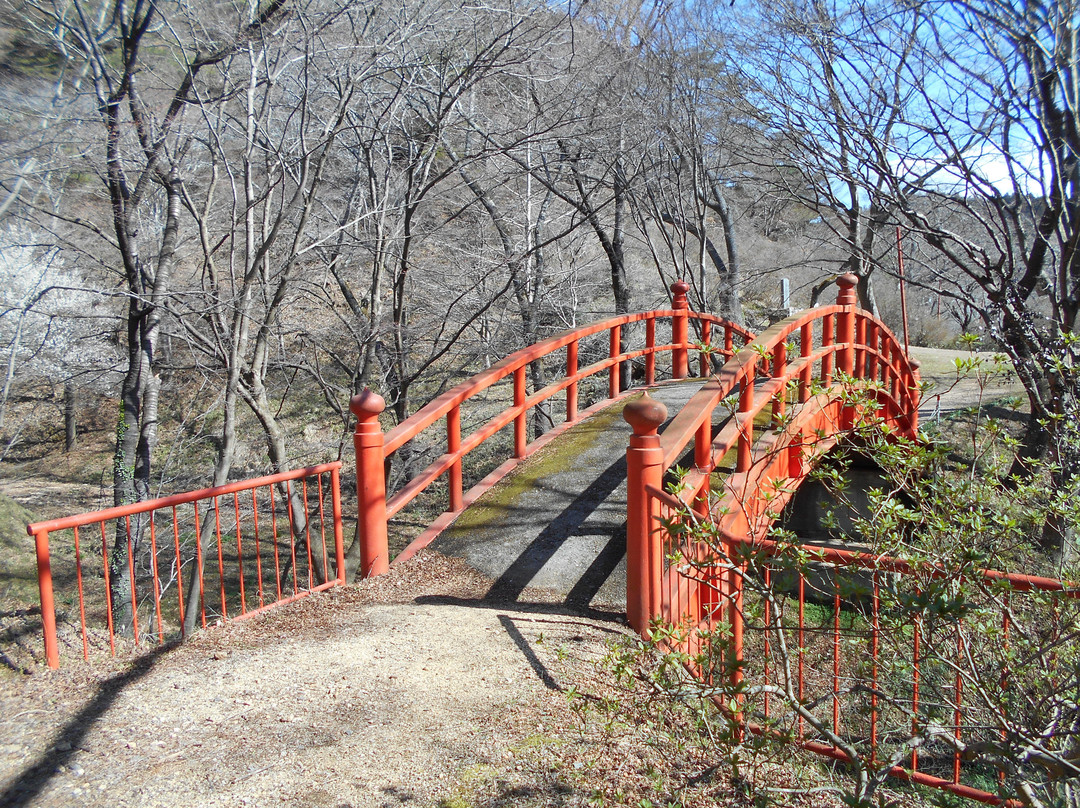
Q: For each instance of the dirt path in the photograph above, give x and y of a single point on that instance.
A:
(363, 696)
(952, 389)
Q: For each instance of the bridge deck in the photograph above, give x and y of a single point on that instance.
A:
(555, 530)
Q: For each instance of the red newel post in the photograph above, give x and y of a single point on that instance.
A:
(45, 589)
(370, 484)
(845, 325)
(644, 466)
(680, 330)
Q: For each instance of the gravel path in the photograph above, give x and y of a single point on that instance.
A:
(357, 697)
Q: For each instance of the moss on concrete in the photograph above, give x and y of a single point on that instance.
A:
(548, 461)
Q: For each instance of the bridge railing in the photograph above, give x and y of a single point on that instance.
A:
(800, 633)
(131, 574)
(833, 341)
(833, 651)
(374, 449)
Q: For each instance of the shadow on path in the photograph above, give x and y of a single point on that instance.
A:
(33, 780)
(526, 607)
(529, 654)
(510, 585)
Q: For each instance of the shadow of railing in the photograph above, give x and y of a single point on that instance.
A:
(31, 782)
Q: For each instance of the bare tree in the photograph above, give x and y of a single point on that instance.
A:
(1005, 216)
(50, 321)
(830, 83)
(689, 159)
(142, 145)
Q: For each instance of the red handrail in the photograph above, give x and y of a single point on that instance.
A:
(373, 448)
(147, 505)
(246, 537)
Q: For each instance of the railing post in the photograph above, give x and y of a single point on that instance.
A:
(370, 484)
(779, 368)
(521, 421)
(571, 390)
(614, 342)
(644, 466)
(453, 444)
(339, 539)
(735, 613)
(845, 336)
(873, 368)
(706, 358)
(680, 364)
(744, 453)
(828, 323)
(861, 327)
(806, 347)
(650, 357)
(48, 606)
(703, 461)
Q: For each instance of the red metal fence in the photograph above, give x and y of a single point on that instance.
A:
(134, 573)
(877, 660)
(374, 450)
(835, 654)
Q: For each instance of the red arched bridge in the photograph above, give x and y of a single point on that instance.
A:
(769, 409)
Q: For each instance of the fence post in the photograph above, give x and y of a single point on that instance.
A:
(521, 422)
(706, 358)
(650, 357)
(806, 347)
(680, 329)
(827, 332)
(453, 444)
(779, 368)
(644, 466)
(845, 331)
(45, 589)
(860, 346)
(614, 350)
(339, 539)
(744, 452)
(370, 484)
(571, 390)
(873, 348)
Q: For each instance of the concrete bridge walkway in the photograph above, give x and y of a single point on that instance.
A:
(554, 532)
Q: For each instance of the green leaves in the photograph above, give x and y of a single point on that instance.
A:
(799, 633)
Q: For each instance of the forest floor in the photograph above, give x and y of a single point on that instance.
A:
(403, 690)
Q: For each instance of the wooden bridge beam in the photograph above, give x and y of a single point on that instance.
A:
(370, 483)
(644, 466)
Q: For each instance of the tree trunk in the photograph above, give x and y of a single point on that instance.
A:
(70, 416)
(730, 299)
